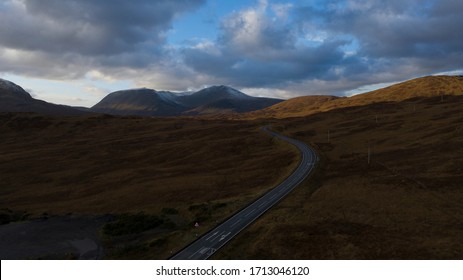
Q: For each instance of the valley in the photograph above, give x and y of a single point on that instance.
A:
(388, 184)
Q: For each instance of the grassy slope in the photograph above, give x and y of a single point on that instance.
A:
(294, 107)
(306, 105)
(405, 205)
(102, 164)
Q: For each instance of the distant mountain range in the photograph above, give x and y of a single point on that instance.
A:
(211, 100)
(141, 102)
(225, 100)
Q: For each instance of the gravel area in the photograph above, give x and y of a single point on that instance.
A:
(53, 238)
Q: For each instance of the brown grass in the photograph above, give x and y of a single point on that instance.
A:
(101, 164)
(405, 205)
(294, 107)
(431, 86)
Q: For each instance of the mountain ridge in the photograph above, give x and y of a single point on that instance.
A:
(13, 98)
(225, 101)
(211, 100)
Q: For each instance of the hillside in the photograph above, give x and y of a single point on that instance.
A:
(417, 88)
(405, 204)
(229, 106)
(294, 107)
(421, 87)
(14, 98)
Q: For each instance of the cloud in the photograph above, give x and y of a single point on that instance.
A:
(332, 44)
(43, 64)
(275, 47)
(400, 28)
(260, 47)
(89, 27)
(43, 38)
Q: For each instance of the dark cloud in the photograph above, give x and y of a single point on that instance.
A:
(266, 69)
(65, 39)
(259, 49)
(363, 41)
(400, 28)
(89, 27)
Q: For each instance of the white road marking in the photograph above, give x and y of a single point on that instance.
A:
(273, 196)
(224, 236)
(250, 212)
(235, 223)
(215, 233)
(195, 252)
(204, 250)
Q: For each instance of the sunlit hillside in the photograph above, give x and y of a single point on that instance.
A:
(401, 202)
(416, 88)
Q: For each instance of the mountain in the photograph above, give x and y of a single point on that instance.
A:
(143, 102)
(218, 100)
(211, 100)
(430, 86)
(14, 98)
(213, 94)
(224, 99)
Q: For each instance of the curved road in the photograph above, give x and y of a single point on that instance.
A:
(209, 243)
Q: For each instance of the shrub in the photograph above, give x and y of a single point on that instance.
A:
(169, 211)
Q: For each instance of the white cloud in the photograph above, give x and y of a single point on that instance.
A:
(95, 74)
(268, 92)
(208, 47)
(246, 28)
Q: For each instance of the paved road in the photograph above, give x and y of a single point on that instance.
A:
(208, 244)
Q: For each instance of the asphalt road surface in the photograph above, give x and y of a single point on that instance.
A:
(209, 243)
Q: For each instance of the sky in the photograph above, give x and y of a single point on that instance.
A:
(75, 52)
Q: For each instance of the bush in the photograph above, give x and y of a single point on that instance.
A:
(169, 211)
(219, 205)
